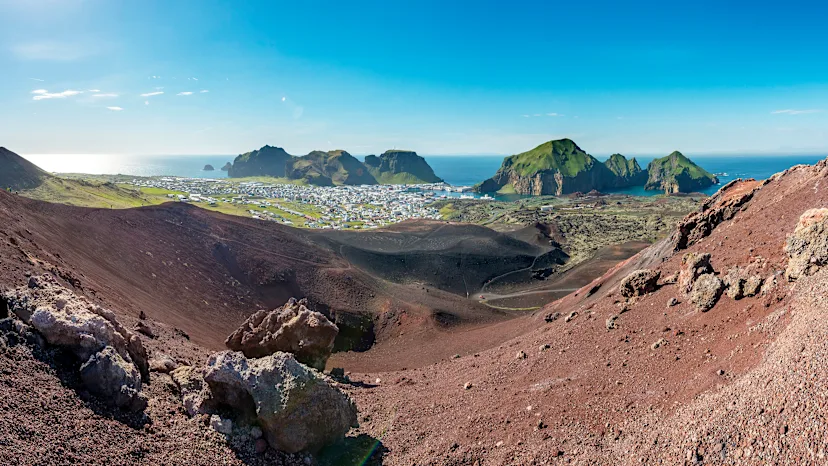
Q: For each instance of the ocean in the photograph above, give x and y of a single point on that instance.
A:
(457, 170)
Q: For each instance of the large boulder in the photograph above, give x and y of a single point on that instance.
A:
(807, 247)
(107, 375)
(114, 359)
(639, 283)
(292, 328)
(741, 283)
(706, 292)
(693, 265)
(296, 407)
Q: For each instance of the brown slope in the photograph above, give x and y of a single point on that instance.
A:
(205, 272)
(598, 396)
(18, 173)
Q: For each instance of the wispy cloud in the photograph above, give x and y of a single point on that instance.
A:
(553, 114)
(185, 93)
(204, 91)
(150, 94)
(791, 111)
(146, 102)
(37, 79)
(41, 94)
(94, 90)
(104, 95)
(114, 109)
(53, 51)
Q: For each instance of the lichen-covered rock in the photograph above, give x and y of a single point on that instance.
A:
(807, 247)
(107, 375)
(639, 283)
(114, 359)
(296, 407)
(194, 394)
(693, 265)
(706, 292)
(68, 320)
(741, 284)
(293, 328)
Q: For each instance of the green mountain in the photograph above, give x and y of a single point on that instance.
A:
(330, 168)
(627, 172)
(334, 168)
(401, 167)
(267, 161)
(554, 167)
(18, 173)
(677, 174)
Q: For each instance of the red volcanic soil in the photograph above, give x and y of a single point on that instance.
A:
(743, 383)
(574, 391)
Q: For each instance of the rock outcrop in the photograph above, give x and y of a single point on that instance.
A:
(724, 205)
(334, 168)
(267, 161)
(208, 168)
(807, 247)
(639, 283)
(561, 167)
(195, 395)
(296, 407)
(706, 291)
(400, 167)
(627, 172)
(293, 328)
(677, 174)
(114, 359)
(227, 166)
(741, 282)
(553, 168)
(693, 265)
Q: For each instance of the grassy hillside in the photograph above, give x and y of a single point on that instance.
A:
(92, 194)
(562, 155)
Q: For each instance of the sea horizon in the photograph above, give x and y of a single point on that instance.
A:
(456, 170)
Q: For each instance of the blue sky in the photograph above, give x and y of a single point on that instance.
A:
(438, 77)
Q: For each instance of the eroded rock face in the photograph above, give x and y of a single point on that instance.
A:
(114, 359)
(807, 247)
(706, 292)
(293, 328)
(723, 205)
(639, 283)
(297, 408)
(693, 265)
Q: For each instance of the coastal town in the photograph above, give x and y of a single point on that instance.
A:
(339, 207)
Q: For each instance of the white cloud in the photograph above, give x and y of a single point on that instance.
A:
(150, 94)
(146, 102)
(41, 94)
(104, 95)
(795, 112)
(525, 116)
(204, 91)
(553, 114)
(185, 93)
(115, 109)
(37, 79)
(283, 99)
(94, 90)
